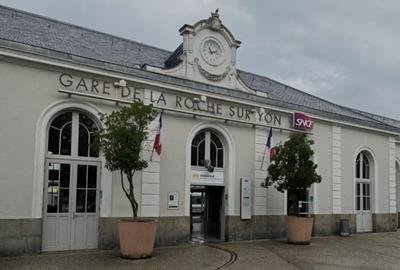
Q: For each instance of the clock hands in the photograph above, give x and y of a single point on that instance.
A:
(212, 51)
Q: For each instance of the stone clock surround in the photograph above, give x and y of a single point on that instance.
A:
(195, 63)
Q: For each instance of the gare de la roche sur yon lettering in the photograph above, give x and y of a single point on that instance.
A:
(60, 77)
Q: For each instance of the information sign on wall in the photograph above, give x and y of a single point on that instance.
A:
(173, 200)
(245, 198)
(207, 178)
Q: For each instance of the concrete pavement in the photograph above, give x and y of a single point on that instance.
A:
(362, 251)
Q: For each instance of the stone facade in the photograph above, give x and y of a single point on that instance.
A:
(24, 236)
(328, 224)
(20, 236)
(384, 222)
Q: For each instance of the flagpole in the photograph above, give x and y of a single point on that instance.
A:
(262, 162)
(266, 145)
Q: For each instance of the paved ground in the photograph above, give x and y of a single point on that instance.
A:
(363, 251)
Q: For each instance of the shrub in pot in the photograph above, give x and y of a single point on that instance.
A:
(121, 141)
(293, 170)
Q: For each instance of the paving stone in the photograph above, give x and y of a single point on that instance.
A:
(361, 251)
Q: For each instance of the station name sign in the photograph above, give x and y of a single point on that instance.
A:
(168, 99)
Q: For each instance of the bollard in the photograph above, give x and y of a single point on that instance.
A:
(344, 228)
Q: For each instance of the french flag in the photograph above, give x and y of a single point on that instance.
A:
(157, 142)
(271, 149)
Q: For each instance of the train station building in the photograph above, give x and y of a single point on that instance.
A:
(55, 193)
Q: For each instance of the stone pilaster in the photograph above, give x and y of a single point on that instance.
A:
(260, 172)
(150, 196)
(336, 170)
(392, 176)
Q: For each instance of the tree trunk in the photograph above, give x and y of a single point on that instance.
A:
(130, 194)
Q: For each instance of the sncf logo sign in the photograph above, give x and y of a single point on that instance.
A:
(302, 121)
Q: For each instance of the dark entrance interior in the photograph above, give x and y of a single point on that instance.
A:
(206, 213)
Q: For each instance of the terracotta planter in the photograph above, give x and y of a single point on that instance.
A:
(136, 238)
(299, 229)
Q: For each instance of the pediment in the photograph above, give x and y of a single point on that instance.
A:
(207, 54)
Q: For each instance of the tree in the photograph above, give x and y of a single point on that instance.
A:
(121, 141)
(292, 169)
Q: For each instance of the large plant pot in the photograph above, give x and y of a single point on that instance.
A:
(136, 238)
(299, 229)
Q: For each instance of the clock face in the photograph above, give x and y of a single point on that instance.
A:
(212, 52)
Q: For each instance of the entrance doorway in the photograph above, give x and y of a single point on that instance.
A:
(207, 213)
(71, 202)
(71, 184)
(363, 191)
(207, 204)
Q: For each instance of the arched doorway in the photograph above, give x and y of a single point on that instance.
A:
(71, 183)
(364, 174)
(207, 207)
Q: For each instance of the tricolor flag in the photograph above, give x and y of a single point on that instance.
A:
(271, 149)
(268, 147)
(157, 140)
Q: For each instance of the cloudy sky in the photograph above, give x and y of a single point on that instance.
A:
(345, 51)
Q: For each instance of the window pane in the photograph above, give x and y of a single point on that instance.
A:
(54, 141)
(87, 122)
(364, 187)
(54, 174)
(64, 200)
(202, 149)
(61, 120)
(198, 138)
(358, 167)
(52, 187)
(92, 177)
(220, 158)
(364, 203)
(83, 142)
(367, 190)
(357, 203)
(216, 140)
(81, 181)
(213, 154)
(366, 170)
(91, 201)
(358, 189)
(93, 152)
(64, 175)
(52, 196)
(80, 200)
(194, 156)
(368, 203)
(66, 140)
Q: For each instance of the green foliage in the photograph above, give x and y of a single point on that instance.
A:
(121, 142)
(292, 167)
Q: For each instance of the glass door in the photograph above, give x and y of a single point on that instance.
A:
(71, 205)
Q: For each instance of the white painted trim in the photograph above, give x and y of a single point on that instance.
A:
(40, 154)
(230, 152)
(336, 170)
(90, 69)
(375, 180)
(315, 185)
(392, 203)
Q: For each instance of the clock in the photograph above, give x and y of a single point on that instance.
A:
(212, 52)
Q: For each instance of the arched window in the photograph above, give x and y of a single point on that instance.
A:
(363, 182)
(362, 166)
(207, 146)
(71, 127)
